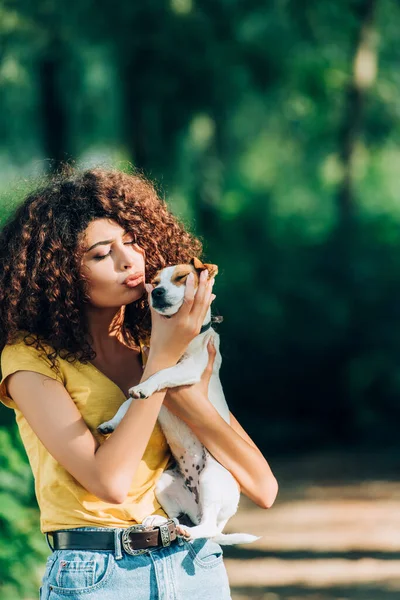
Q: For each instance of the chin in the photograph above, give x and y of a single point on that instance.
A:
(168, 311)
(134, 297)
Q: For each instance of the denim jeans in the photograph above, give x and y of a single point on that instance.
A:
(182, 571)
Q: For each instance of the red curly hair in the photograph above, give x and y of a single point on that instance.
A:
(42, 292)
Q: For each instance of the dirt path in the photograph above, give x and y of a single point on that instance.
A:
(333, 533)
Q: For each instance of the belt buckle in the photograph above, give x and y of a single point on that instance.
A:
(126, 543)
(165, 535)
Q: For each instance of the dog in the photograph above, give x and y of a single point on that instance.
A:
(198, 485)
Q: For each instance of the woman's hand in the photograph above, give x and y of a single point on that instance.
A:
(190, 402)
(170, 336)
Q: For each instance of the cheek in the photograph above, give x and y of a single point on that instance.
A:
(101, 292)
(97, 279)
(176, 293)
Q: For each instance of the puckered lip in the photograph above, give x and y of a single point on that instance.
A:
(132, 277)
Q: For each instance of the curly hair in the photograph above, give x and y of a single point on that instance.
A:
(42, 292)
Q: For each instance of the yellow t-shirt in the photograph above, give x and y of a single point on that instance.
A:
(63, 502)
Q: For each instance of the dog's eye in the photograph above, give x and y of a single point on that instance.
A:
(180, 277)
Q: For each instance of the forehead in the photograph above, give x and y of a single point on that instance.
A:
(102, 229)
(172, 273)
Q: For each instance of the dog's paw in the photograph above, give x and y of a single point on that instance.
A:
(106, 427)
(137, 394)
(154, 521)
(139, 391)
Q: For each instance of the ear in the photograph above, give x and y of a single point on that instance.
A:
(199, 266)
(196, 262)
(212, 270)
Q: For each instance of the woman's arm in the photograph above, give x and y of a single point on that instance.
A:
(231, 446)
(228, 443)
(105, 470)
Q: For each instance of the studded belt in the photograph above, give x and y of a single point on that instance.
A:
(135, 540)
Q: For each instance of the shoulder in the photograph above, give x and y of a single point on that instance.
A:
(23, 355)
(25, 347)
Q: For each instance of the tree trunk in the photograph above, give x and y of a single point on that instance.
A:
(53, 109)
(364, 74)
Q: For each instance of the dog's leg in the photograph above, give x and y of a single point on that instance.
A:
(219, 498)
(207, 527)
(109, 426)
(186, 372)
(218, 504)
(174, 497)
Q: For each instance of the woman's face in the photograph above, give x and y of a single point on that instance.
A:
(110, 257)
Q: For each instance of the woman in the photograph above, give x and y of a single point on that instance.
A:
(73, 327)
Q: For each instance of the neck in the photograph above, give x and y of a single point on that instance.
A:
(104, 325)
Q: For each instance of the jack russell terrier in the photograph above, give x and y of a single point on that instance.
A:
(198, 486)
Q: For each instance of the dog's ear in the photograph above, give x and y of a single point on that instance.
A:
(199, 266)
(212, 270)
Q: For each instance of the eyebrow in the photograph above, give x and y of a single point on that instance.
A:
(105, 242)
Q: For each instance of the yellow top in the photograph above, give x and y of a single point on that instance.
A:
(63, 502)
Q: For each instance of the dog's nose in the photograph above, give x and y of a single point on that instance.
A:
(158, 292)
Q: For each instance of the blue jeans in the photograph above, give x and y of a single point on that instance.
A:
(184, 570)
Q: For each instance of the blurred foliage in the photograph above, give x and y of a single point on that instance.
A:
(273, 130)
(22, 548)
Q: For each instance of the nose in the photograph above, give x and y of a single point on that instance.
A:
(126, 258)
(158, 293)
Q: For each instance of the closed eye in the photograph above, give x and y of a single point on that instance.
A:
(180, 277)
(102, 256)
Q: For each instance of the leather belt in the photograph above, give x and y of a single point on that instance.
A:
(135, 540)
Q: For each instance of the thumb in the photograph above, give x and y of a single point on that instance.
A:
(154, 314)
(149, 289)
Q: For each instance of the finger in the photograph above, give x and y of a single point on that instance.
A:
(202, 301)
(149, 289)
(154, 314)
(208, 371)
(201, 289)
(212, 353)
(205, 307)
(188, 298)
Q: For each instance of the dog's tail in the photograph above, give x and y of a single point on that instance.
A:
(228, 539)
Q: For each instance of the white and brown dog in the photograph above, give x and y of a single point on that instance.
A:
(198, 485)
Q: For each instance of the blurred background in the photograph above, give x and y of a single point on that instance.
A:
(272, 129)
